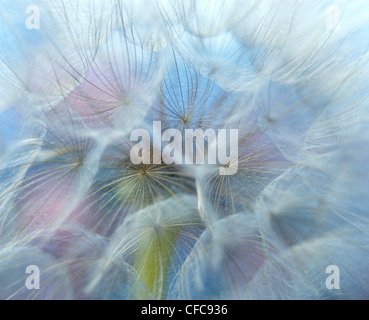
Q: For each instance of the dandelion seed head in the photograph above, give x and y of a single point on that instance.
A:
(222, 262)
(288, 83)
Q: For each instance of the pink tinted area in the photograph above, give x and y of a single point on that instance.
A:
(97, 98)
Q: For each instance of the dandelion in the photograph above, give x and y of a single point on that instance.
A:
(154, 242)
(222, 58)
(121, 187)
(222, 262)
(187, 99)
(259, 162)
(64, 160)
(121, 81)
(260, 212)
(313, 257)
